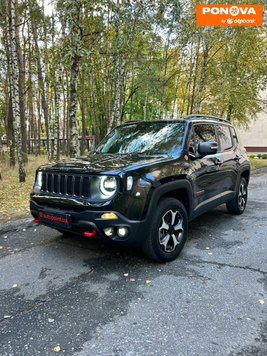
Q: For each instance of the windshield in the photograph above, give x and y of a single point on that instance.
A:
(144, 137)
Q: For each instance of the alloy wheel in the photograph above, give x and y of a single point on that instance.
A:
(171, 230)
(242, 196)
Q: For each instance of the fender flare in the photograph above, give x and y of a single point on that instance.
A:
(245, 168)
(168, 188)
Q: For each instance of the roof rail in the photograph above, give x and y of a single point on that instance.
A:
(130, 121)
(207, 117)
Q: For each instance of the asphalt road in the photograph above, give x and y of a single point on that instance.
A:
(84, 298)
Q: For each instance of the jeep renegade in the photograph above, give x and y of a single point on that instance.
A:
(144, 182)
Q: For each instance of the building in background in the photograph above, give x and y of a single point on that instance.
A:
(254, 138)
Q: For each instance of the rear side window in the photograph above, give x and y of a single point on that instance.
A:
(224, 137)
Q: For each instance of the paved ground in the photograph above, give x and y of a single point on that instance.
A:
(89, 299)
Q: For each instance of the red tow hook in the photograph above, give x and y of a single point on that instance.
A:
(35, 220)
(90, 233)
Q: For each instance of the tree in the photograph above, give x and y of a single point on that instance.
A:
(91, 65)
(74, 9)
(11, 20)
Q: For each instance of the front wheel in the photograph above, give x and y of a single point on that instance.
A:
(168, 231)
(238, 204)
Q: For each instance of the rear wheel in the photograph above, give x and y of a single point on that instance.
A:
(238, 204)
(168, 231)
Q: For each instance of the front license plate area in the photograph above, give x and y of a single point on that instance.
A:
(54, 219)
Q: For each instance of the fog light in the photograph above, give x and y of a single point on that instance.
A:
(109, 231)
(122, 231)
(109, 216)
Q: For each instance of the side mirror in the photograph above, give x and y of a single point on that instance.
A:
(207, 148)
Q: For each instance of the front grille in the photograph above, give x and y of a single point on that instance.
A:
(66, 184)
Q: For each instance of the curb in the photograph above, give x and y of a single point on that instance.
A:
(16, 225)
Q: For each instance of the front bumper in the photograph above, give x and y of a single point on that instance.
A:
(81, 221)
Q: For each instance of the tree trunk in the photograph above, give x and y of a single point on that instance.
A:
(75, 21)
(177, 82)
(82, 106)
(230, 111)
(119, 72)
(165, 67)
(187, 95)
(73, 124)
(65, 119)
(57, 114)
(39, 123)
(58, 92)
(8, 94)
(68, 119)
(41, 83)
(93, 115)
(202, 79)
(32, 121)
(116, 111)
(21, 66)
(46, 88)
(195, 76)
(15, 89)
(10, 134)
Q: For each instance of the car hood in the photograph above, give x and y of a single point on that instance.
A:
(103, 163)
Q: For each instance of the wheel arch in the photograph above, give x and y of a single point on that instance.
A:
(246, 174)
(181, 190)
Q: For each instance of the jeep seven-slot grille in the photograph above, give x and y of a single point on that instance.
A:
(66, 184)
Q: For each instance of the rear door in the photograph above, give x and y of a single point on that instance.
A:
(229, 159)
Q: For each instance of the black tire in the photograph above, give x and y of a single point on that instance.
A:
(168, 231)
(237, 205)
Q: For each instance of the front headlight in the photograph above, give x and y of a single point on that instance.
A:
(103, 187)
(108, 186)
(38, 183)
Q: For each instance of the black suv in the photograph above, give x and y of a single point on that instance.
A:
(144, 182)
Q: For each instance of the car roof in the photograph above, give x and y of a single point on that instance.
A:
(189, 118)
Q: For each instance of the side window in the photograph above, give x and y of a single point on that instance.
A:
(201, 133)
(225, 137)
(204, 132)
(234, 136)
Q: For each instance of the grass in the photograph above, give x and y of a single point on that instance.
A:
(14, 196)
(258, 163)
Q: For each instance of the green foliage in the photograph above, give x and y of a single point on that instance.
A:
(168, 66)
